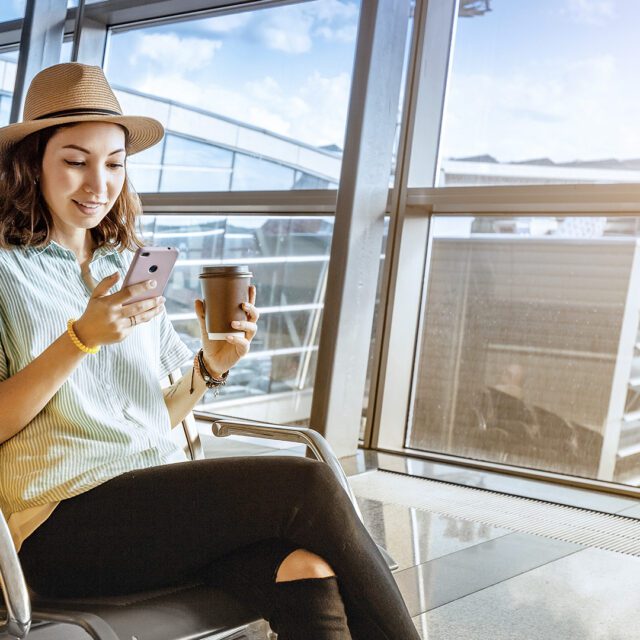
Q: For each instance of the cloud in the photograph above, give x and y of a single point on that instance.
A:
(314, 114)
(583, 109)
(288, 29)
(344, 34)
(593, 12)
(335, 10)
(174, 52)
(229, 22)
(292, 28)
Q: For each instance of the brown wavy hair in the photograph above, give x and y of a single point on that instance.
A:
(25, 219)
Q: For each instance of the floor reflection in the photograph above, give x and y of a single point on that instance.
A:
(466, 580)
(413, 536)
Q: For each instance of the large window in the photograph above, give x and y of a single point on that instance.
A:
(251, 101)
(530, 345)
(288, 257)
(543, 92)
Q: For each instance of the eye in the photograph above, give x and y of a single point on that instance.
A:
(71, 163)
(115, 165)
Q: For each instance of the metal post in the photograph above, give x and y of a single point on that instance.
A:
(359, 224)
(40, 45)
(417, 165)
(77, 31)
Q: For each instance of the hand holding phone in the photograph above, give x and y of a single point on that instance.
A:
(150, 263)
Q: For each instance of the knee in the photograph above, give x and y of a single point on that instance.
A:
(301, 564)
(318, 480)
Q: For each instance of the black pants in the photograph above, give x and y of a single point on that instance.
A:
(232, 519)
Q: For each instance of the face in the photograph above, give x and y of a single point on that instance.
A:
(82, 174)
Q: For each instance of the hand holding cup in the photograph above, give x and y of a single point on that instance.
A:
(227, 316)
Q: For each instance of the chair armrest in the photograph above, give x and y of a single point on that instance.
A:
(14, 587)
(318, 446)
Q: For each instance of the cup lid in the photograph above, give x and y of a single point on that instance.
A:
(226, 270)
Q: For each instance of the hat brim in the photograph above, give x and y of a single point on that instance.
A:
(143, 132)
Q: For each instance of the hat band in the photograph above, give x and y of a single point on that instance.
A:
(79, 112)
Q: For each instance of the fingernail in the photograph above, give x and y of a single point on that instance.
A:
(235, 324)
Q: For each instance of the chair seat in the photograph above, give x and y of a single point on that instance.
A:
(186, 612)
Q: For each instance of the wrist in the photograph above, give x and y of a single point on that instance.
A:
(83, 335)
(212, 368)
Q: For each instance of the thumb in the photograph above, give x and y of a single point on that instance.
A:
(105, 284)
(199, 305)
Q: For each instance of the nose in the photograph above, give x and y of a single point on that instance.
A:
(96, 182)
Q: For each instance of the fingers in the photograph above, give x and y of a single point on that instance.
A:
(251, 311)
(143, 311)
(250, 328)
(133, 290)
(252, 294)
(136, 308)
(241, 344)
(145, 316)
(104, 285)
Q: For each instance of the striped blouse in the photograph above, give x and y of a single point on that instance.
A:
(109, 417)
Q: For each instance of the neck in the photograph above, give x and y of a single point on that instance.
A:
(81, 244)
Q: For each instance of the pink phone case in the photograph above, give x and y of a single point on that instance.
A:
(151, 263)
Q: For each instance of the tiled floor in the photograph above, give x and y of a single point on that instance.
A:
(465, 580)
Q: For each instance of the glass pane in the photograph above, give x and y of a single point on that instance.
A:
(194, 166)
(12, 10)
(255, 173)
(289, 257)
(8, 65)
(530, 350)
(270, 87)
(66, 51)
(542, 92)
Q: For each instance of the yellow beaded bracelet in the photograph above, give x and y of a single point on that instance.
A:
(76, 340)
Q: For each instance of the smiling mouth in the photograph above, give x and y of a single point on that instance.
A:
(89, 207)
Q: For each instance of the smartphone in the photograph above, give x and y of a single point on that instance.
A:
(151, 263)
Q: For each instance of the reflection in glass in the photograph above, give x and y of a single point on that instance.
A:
(193, 166)
(530, 353)
(255, 173)
(289, 257)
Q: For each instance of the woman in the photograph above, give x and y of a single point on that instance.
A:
(98, 497)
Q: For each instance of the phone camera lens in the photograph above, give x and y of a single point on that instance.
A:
(145, 254)
(153, 268)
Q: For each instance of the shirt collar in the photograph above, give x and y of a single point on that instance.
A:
(56, 248)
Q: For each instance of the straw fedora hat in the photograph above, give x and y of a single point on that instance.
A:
(74, 92)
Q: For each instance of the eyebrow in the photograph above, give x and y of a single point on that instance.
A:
(75, 146)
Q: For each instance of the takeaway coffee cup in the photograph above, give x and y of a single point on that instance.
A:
(225, 289)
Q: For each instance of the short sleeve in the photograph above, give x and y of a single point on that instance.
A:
(173, 352)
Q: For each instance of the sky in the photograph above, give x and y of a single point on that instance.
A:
(285, 69)
(546, 78)
(530, 79)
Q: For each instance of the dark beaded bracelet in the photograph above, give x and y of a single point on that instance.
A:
(210, 381)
